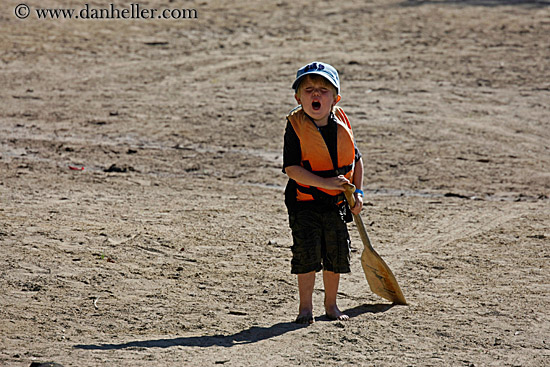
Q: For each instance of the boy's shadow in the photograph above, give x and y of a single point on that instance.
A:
(251, 335)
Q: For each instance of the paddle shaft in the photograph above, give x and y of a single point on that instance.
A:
(350, 190)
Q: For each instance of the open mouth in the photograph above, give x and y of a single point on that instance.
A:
(316, 105)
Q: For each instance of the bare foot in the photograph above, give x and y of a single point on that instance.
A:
(334, 313)
(305, 317)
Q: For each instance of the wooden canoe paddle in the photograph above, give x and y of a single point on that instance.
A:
(379, 276)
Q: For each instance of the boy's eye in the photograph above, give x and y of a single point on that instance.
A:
(310, 90)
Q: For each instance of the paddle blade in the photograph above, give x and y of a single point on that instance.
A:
(380, 277)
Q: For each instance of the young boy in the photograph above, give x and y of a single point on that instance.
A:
(320, 156)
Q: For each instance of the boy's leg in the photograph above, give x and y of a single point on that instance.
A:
(331, 281)
(306, 258)
(306, 283)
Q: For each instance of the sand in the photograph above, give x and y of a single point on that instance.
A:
(171, 246)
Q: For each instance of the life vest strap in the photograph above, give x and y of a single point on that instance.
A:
(331, 172)
(321, 196)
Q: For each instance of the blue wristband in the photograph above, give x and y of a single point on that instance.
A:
(357, 191)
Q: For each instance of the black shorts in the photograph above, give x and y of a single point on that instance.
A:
(320, 241)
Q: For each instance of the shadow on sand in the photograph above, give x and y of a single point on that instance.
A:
(251, 335)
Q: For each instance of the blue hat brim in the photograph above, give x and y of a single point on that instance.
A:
(298, 80)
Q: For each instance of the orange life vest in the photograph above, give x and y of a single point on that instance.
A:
(315, 154)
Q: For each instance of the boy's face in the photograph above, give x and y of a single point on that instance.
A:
(317, 97)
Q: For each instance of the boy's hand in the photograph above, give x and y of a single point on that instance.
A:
(335, 183)
(358, 203)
